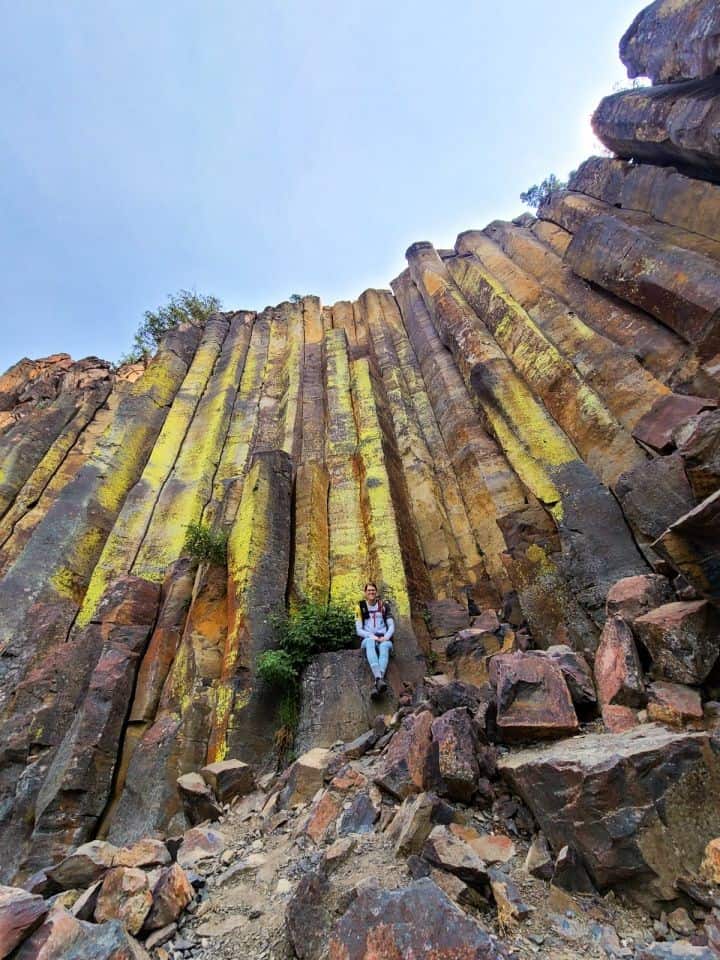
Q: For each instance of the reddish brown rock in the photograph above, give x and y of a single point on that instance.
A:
(682, 638)
(147, 852)
(674, 704)
(77, 785)
(229, 778)
(323, 815)
(62, 935)
(306, 776)
(673, 41)
(618, 672)
(533, 700)
(490, 847)
(634, 596)
(577, 673)
(411, 761)
(412, 824)
(657, 427)
(510, 906)
(416, 921)
(618, 719)
(646, 779)
(698, 444)
(84, 866)
(539, 862)
(451, 852)
(200, 843)
(307, 918)
(457, 742)
(691, 544)
(198, 799)
(672, 124)
(20, 913)
(170, 895)
(124, 895)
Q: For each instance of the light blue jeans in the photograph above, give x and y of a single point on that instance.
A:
(378, 665)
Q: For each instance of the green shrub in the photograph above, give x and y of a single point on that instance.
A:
(309, 629)
(539, 193)
(186, 306)
(277, 668)
(204, 543)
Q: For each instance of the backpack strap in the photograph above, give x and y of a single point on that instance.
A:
(364, 612)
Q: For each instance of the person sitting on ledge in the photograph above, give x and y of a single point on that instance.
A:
(374, 624)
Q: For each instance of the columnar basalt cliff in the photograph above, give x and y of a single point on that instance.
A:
(517, 425)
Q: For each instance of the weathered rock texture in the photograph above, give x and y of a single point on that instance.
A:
(525, 420)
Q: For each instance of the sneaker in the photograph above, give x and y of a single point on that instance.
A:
(380, 685)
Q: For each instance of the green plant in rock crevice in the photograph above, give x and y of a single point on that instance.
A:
(203, 543)
(305, 631)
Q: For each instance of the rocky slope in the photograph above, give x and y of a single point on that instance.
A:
(520, 442)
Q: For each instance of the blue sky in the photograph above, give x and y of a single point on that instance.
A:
(257, 149)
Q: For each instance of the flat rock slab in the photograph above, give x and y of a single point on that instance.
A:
(673, 41)
(692, 545)
(636, 806)
(416, 921)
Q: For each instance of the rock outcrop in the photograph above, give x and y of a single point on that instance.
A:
(520, 443)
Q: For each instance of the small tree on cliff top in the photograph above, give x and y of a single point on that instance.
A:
(537, 193)
(186, 306)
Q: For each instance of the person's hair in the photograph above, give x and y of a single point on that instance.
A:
(369, 584)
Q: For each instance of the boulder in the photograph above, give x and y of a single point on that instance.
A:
(307, 919)
(450, 852)
(674, 704)
(84, 866)
(491, 847)
(360, 817)
(338, 852)
(337, 702)
(633, 596)
(618, 719)
(570, 874)
(677, 950)
(198, 800)
(62, 935)
(533, 700)
(683, 639)
(618, 672)
(446, 618)
(667, 414)
(509, 903)
(652, 497)
(411, 762)
(323, 815)
(698, 443)
(470, 652)
(673, 41)
(691, 545)
(457, 741)
(229, 778)
(171, 894)
(306, 777)
(200, 843)
(148, 852)
(539, 862)
(577, 673)
(411, 825)
(418, 920)
(20, 913)
(125, 895)
(628, 803)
